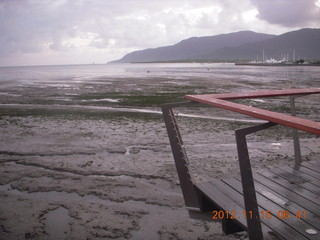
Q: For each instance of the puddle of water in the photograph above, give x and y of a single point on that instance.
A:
(57, 224)
(276, 144)
(258, 100)
(9, 94)
(222, 118)
(52, 196)
(32, 106)
(112, 100)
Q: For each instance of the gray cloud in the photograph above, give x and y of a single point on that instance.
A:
(289, 13)
(31, 26)
(27, 27)
(110, 28)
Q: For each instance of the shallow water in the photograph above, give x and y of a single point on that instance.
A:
(68, 75)
(77, 148)
(57, 224)
(140, 85)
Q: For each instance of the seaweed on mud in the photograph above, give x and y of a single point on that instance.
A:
(149, 98)
(80, 114)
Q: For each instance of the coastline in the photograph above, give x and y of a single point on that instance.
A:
(71, 155)
(277, 65)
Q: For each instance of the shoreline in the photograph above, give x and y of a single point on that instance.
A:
(276, 65)
(90, 150)
(122, 186)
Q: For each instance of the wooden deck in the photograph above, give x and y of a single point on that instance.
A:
(282, 203)
(289, 201)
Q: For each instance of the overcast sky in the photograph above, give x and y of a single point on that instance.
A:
(37, 32)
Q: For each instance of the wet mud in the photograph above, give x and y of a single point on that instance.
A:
(93, 161)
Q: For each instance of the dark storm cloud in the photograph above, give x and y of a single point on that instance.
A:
(289, 13)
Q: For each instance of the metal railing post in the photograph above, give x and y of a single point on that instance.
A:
(185, 175)
(295, 136)
(249, 193)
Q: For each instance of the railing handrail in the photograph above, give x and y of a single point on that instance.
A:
(262, 94)
(218, 100)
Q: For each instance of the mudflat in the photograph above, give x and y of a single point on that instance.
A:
(91, 159)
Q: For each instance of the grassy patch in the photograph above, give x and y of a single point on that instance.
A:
(142, 99)
(150, 100)
(79, 114)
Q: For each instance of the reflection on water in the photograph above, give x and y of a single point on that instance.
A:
(57, 224)
(67, 74)
(144, 85)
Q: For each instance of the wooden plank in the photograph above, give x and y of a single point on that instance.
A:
(289, 176)
(275, 117)
(267, 204)
(309, 171)
(302, 182)
(263, 94)
(287, 193)
(222, 202)
(298, 173)
(293, 187)
(218, 198)
(286, 203)
(238, 199)
(316, 163)
(312, 167)
(312, 180)
(275, 224)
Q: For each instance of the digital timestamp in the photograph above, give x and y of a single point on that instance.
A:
(219, 215)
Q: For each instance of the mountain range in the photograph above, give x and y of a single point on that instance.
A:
(237, 46)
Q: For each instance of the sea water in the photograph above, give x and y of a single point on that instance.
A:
(103, 85)
(68, 74)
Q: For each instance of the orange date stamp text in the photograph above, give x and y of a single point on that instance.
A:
(280, 214)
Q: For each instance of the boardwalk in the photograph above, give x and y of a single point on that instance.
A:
(283, 202)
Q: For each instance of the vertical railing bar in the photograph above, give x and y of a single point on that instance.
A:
(185, 174)
(248, 188)
(295, 136)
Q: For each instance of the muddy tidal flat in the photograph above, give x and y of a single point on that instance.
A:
(84, 152)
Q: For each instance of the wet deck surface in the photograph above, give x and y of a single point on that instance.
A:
(285, 200)
(288, 200)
